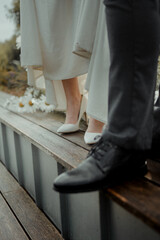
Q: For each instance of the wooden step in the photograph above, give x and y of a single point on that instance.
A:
(35, 154)
(19, 216)
(141, 198)
(9, 226)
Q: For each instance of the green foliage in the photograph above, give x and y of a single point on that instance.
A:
(8, 53)
(11, 73)
(13, 78)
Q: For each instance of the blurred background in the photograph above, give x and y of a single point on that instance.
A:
(13, 78)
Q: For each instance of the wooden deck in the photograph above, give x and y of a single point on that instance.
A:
(32, 150)
(20, 218)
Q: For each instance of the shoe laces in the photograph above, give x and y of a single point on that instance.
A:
(100, 148)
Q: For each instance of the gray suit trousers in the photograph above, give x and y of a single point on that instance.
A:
(134, 38)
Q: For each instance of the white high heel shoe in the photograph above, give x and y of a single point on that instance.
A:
(69, 128)
(91, 138)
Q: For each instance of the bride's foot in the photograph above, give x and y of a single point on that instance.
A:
(94, 131)
(72, 123)
(76, 106)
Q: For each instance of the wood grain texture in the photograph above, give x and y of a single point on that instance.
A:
(141, 198)
(35, 223)
(7, 181)
(9, 226)
(65, 152)
(51, 121)
(154, 171)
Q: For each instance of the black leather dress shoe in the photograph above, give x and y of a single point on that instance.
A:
(105, 166)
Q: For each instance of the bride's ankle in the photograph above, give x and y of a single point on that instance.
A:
(95, 126)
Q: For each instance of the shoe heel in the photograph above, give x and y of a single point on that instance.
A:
(69, 128)
(86, 118)
(82, 108)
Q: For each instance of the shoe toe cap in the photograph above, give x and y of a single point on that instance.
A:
(67, 128)
(91, 138)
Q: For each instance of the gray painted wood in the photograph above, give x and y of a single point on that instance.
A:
(5, 145)
(45, 171)
(7, 181)
(9, 150)
(26, 163)
(2, 158)
(19, 157)
(104, 204)
(123, 225)
(81, 216)
(10, 154)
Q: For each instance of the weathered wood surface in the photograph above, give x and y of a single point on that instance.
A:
(7, 181)
(51, 121)
(154, 171)
(10, 229)
(20, 218)
(32, 219)
(65, 152)
(140, 197)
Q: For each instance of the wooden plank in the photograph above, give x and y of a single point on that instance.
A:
(141, 198)
(7, 181)
(9, 226)
(35, 223)
(154, 171)
(65, 152)
(33, 220)
(51, 121)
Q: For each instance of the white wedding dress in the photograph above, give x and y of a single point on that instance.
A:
(62, 39)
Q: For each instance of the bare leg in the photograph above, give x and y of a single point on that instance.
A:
(73, 97)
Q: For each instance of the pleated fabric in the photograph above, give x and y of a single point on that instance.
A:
(62, 39)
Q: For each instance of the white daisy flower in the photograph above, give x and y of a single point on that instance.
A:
(32, 101)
